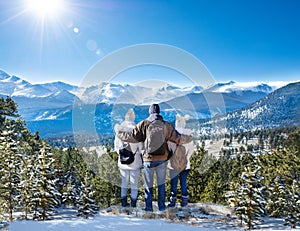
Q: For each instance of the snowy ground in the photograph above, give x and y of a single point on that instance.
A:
(200, 217)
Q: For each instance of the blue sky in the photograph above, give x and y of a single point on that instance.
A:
(255, 40)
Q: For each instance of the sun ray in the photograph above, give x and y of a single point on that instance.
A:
(13, 17)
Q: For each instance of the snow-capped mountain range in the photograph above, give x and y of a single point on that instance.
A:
(110, 93)
(52, 102)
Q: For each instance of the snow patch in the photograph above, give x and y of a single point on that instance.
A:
(195, 217)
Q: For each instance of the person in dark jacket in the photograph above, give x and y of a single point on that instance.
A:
(154, 163)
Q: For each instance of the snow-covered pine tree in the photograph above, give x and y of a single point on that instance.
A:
(8, 108)
(31, 144)
(26, 185)
(292, 206)
(87, 205)
(9, 166)
(71, 188)
(46, 195)
(276, 197)
(248, 196)
(283, 162)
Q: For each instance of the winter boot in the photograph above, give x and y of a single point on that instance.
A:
(124, 202)
(133, 203)
(184, 201)
(172, 202)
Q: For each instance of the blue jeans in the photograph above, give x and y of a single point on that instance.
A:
(160, 168)
(182, 176)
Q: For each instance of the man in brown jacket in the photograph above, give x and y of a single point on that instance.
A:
(154, 132)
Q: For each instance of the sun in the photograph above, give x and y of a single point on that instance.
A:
(45, 8)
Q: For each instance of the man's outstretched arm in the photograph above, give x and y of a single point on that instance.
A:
(137, 135)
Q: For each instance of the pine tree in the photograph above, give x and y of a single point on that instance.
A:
(8, 108)
(284, 162)
(26, 185)
(292, 207)
(238, 164)
(46, 193)
(108, 181)
(67, 159)
(9, 166)
(30, 147)
(214, 189)
(248, 197)
(196, 182)
(293, 197)
(276, 199)
(71, 194)
(87, 205)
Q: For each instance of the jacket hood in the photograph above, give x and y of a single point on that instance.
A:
(154, 116)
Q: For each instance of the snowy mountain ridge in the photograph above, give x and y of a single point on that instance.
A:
(111, 93)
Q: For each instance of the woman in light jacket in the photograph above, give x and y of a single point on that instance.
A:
(176, 175)
(129, 172)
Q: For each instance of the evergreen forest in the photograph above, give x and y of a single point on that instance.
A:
(37, 178)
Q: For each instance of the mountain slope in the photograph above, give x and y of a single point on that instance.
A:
(279, 108)
(199, 101)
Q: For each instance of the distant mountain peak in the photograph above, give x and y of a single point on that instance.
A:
(3, 75)
(226, 83)
(264, 87)
(168, 87)
(195, 89)
(237, 87)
